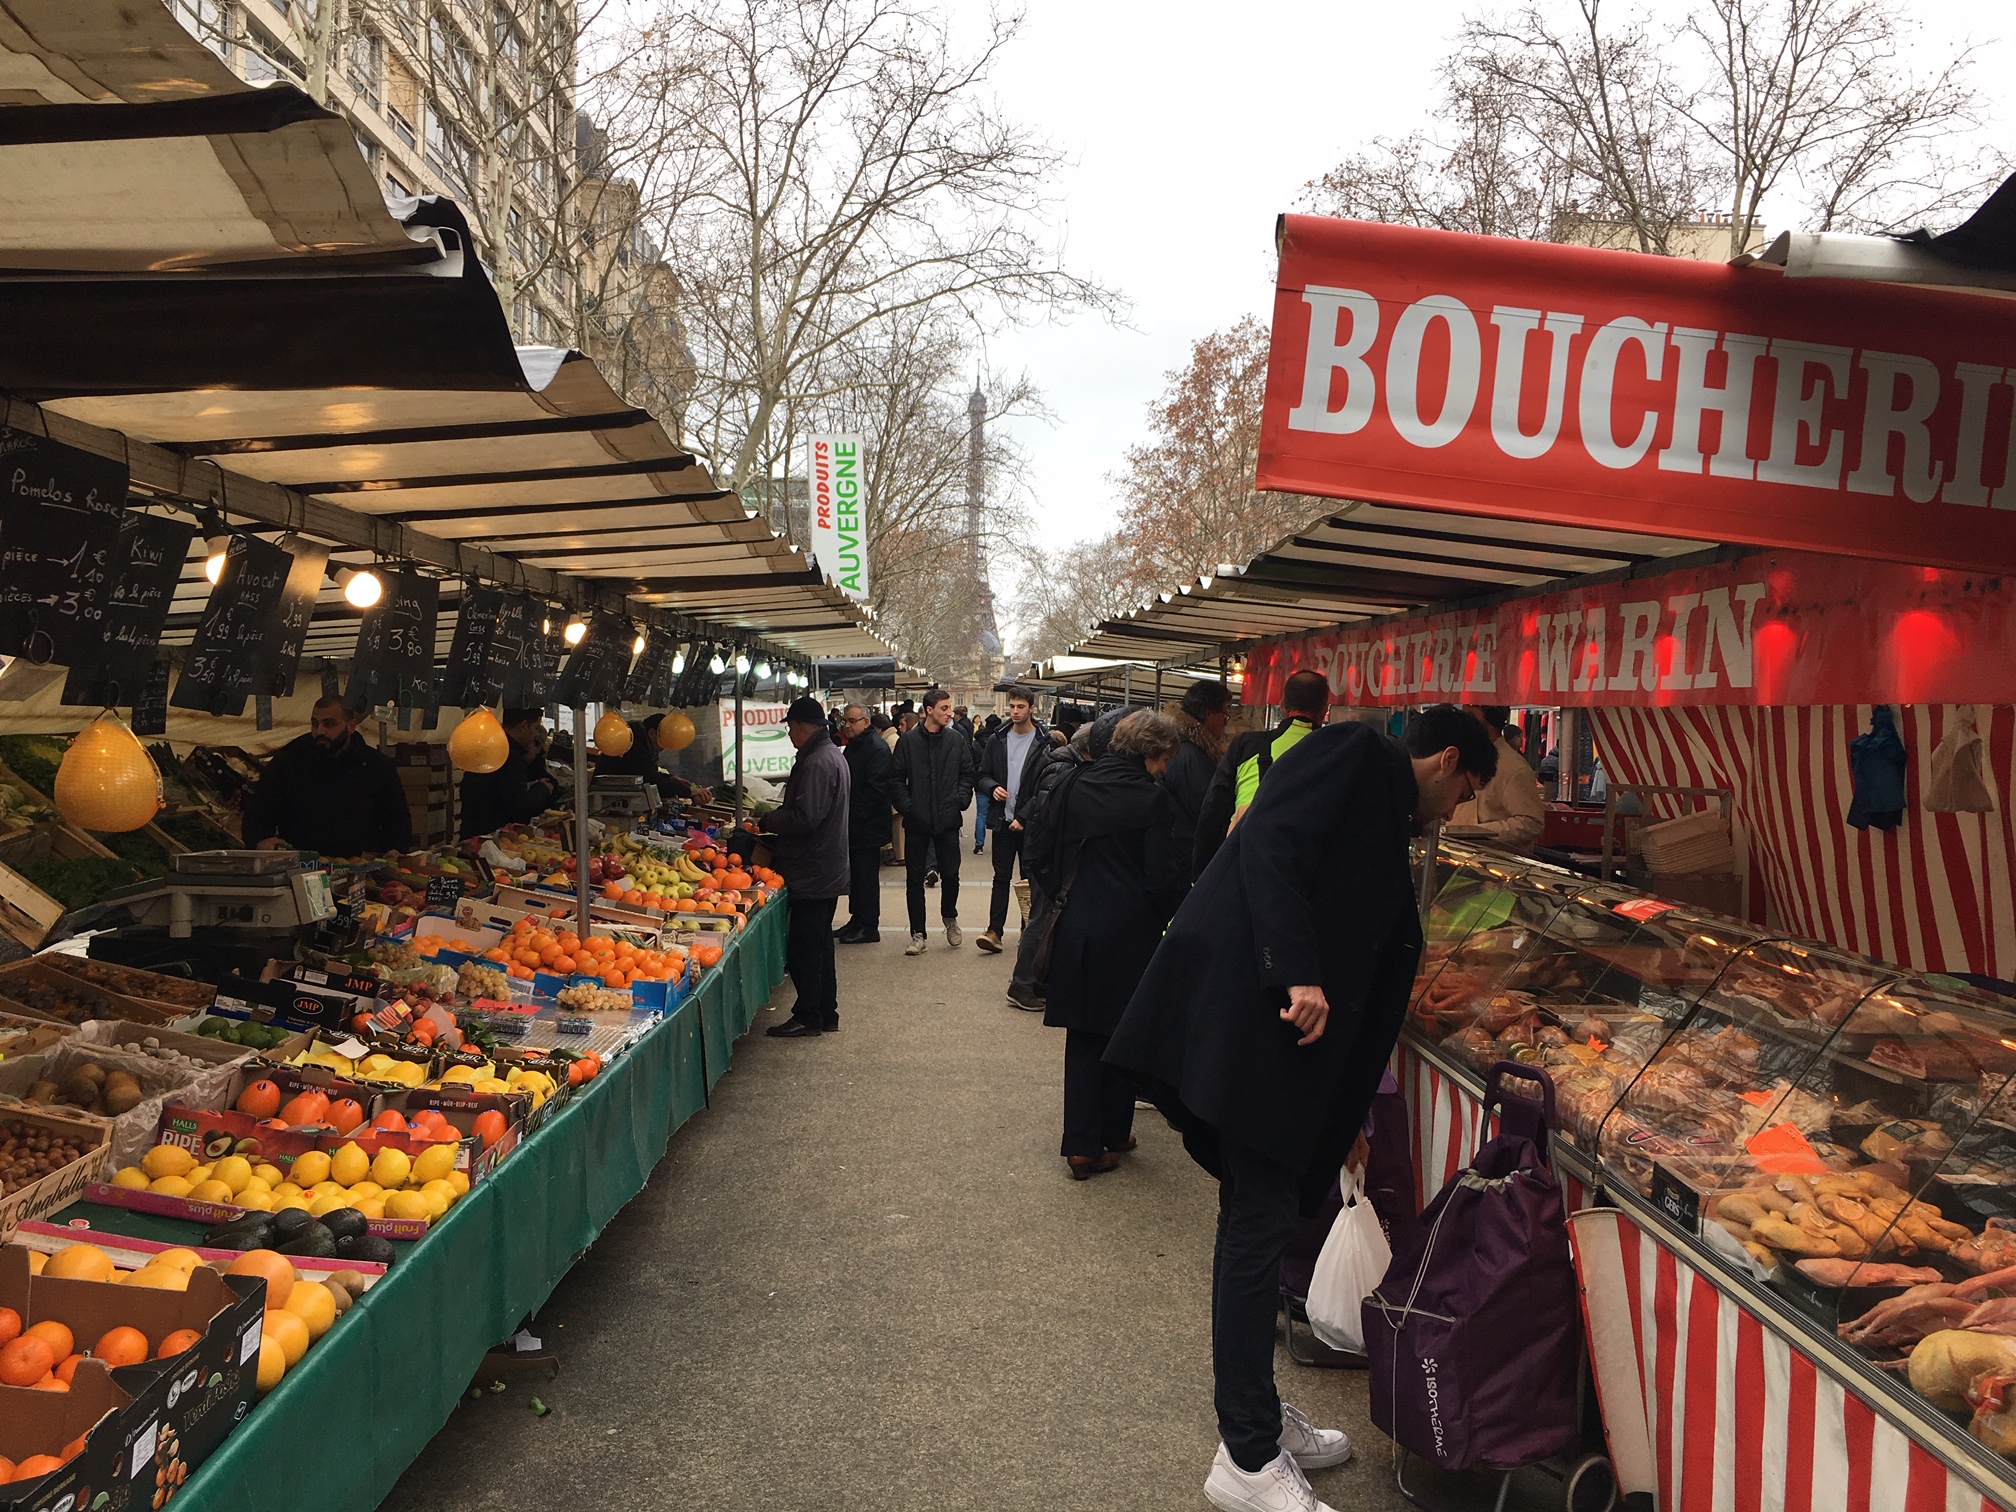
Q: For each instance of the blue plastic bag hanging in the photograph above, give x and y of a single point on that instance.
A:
(1876, 765)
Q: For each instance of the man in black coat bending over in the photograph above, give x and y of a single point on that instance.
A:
(1262, 1028)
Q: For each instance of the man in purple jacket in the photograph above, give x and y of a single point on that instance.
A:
(809, 830)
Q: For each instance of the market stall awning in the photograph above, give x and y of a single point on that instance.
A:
(1362, 562)
(203, 280)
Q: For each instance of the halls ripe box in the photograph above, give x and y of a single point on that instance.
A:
(179, 1409)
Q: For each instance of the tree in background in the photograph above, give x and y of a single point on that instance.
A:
(1064, 593)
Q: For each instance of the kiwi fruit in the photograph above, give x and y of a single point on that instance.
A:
(122, 1094)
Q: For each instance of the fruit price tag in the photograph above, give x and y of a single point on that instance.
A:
(351, 1049)
(248, 1341)
(143, 1446)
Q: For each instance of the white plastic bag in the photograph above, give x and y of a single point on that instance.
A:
(1352, 1264)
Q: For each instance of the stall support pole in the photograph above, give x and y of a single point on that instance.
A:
(581, 847)
(1158, 687)
(1127, 686)
(1430, 843)
(738, 750)
(1568, 741)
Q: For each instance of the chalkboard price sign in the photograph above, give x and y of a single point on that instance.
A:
(277, 660)
(150, 709)
(148, 560)
(394, 660)
(60, 510)
(443, 892)
(594, 673)
(650, 678)
(535, 677)
(241, 616)
(489, 645)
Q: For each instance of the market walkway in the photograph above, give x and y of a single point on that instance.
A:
(863, 1280)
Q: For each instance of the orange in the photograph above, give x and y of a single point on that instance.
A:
(36, 1464)
(60, 1340)
(66, 1370)
(74, 1448)
(289, 1330)
(25, 1361)
(10, 1326)
(307, 1108)
(346, 1113)
(391, 1119)
(489, 1127)
(614, 979)
(275, 1269)
(121, 1346)
(261, 1099)
(53, 1382)
(176, 1342)
(6, 1469)
(562, 963)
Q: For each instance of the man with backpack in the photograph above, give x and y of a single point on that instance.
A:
(1305, 704)
(931, 783)
(1263, 1026)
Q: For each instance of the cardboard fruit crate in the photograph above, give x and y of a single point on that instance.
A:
(60, 1187)
(177, 995)
(28, 1036)
(27, 913)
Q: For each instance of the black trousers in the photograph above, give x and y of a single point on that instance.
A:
(864, 887)
(918, 848)
(808, 957)
(1034, 933)
(1098, 1102)
(1007, 847)
(1257, 1208)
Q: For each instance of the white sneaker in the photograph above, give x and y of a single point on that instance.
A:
(1278, 1486)
(917, 946)
(1313, 1448)
(952, 935)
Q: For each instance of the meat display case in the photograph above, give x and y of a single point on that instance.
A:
(1829, 1140)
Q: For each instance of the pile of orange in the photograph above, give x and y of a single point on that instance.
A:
(530, 947)
(586, 1069)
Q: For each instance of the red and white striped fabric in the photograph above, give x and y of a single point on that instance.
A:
(1709, 1409)
(1447, 1119)
(1938, 893)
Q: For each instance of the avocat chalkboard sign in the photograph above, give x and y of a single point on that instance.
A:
(60, 510)
(394, 660)
(240, 616)
(489, 645)
(594, 673)
(277, 660)
(147, 558)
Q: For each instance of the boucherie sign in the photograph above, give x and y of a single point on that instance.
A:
(1773, 628)
(1540, 382)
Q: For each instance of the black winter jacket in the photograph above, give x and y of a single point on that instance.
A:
(868, 762)
(337, 804)
(931, 779)
(994, 772)
(811, 823)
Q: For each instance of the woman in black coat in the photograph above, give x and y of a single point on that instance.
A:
(1116, 825)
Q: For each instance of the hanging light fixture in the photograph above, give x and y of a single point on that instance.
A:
(678, 662)
(546, 625)
(741, 663)
(213, 562)
(361, 586)
(717, 666)
(763, 667)
(637, 645)
(576, 631)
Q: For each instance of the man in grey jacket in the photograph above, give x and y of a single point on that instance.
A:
(810, 846)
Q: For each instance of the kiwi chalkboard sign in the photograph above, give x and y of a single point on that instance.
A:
(60, 510)
(240, 617)
(594, 673)
(277, 659)
(147, 560)
(394, 660)
(489, 644)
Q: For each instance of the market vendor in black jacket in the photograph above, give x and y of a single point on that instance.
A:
(931, 783)
(1264, 1024)
(810, 846)
(868, 760)
(329, 792)
(519, 790)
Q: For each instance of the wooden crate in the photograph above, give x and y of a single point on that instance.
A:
(62, 1187)
(26, 912)
(20, 976)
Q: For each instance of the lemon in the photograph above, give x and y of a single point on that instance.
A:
(434, 1162)
(169, 1186)
(350, 1164)
(492, 1086)
(371, 1207)
(272, 1363)
(328, 1202)
(196, 1175)
(258, 1202)
(460, 1181)
(285, 1190)
(309, 1168)
(441, 1189)
(210, 1191)
(359, 1190)
(234, 1171)
(130, 1177)
(166, 1160)
(409, 1205)
(269, 1173)
(289, 1331)
(391, 1168)
(462, 1074)
(324, 1188)
(281, 1204)
(255, 1188)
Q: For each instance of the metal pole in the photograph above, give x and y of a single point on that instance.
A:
(581, 850)
(1430, 843)
(1158, 685)
(1127, 685)
(738, 748)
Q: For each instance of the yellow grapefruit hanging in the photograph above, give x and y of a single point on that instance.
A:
(675, 731)
(479, 743)
(613, 735)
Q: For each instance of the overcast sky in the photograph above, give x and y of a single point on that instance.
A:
(1191, 126)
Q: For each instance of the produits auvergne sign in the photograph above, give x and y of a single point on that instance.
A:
(840, 511)
(1652, 394)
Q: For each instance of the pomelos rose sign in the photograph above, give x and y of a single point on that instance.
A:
(1540, 382)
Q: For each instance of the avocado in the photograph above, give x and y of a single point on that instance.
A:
(253, 1231)
(214, 1027)
(315, 1241)
(366, 1247)
(290, 1221)
(346, 1223)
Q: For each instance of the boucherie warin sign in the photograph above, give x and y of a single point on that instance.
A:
(1771, 628)
(1540, 382)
